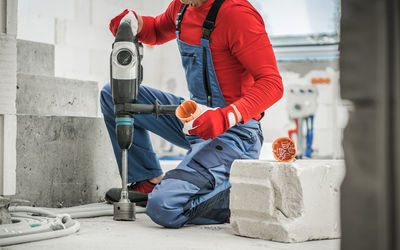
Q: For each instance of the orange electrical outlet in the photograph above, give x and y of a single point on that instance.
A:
(284, 149)
(321, 80)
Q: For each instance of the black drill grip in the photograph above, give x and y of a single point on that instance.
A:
(167, 109)
(141, 109)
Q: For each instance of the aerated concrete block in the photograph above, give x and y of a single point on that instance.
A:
(3, 14)
(79, 69)
(11, 17)
(52, 96)
(8, 74)
(8, 157)
(64, 161)
(286, 202)
(35, 58)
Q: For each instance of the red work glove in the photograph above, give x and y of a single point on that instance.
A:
(212, 122)
(126, 15)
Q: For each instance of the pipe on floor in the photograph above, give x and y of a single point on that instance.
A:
(34, 224)
(40, 236)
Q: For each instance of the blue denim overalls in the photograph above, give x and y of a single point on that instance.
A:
(197, 191)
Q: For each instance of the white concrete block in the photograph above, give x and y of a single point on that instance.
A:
(153, 67)
(155, 7)
(83, 11)
(35, 28)
(72, 62)
(270, 135)
(8, 154)
(51, 96)
(266, 152)
(326, 94)
(11, 25)
(8, 17)
(48, 8)
(286, 202)
(8, 73)
(325, 117)
(103, 10)
(35, 58)
(70, 159)
(325, 143)
(343, 114)
(3, 13)
(80, 35)
(276, 116)
(100, 64)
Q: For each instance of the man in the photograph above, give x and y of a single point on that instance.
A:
(230, 66)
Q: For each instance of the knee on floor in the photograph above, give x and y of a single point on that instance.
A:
(162, 212)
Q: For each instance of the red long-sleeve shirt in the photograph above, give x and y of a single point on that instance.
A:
(242, 54)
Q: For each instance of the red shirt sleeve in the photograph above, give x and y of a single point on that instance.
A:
(249, 43)
(160, 29)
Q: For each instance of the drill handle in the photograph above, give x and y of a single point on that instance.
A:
(141, 109)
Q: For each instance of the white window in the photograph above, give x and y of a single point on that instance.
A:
(309, 28)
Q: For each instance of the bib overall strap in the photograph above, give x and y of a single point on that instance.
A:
(208, 27)
(179, 17)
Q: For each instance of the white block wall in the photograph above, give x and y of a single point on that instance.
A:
(8, 73)
(79, 31)
(8, 91)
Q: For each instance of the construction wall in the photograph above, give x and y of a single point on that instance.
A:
(8, 82)
(64, 156)
(79, 31)
(63, 62)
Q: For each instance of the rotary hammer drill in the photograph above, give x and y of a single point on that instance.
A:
(126, 77)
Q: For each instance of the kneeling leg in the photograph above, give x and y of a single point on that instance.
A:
(197, 191)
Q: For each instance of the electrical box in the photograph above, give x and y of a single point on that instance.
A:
(301, 101)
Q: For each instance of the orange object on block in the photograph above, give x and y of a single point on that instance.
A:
(284, 149)
(188, 111)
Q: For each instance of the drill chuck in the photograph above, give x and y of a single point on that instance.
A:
(124, 130)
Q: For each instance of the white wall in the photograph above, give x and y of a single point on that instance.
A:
(79, 30)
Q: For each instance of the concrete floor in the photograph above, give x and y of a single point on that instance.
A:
(104, 233)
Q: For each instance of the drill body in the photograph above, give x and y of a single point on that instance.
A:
(126, 76)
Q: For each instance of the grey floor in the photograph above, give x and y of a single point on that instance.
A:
(104, 233)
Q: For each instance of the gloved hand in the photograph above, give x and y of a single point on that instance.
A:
(125, 16)
(208, 123)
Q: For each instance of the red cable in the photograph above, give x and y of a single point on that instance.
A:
(294, 131)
